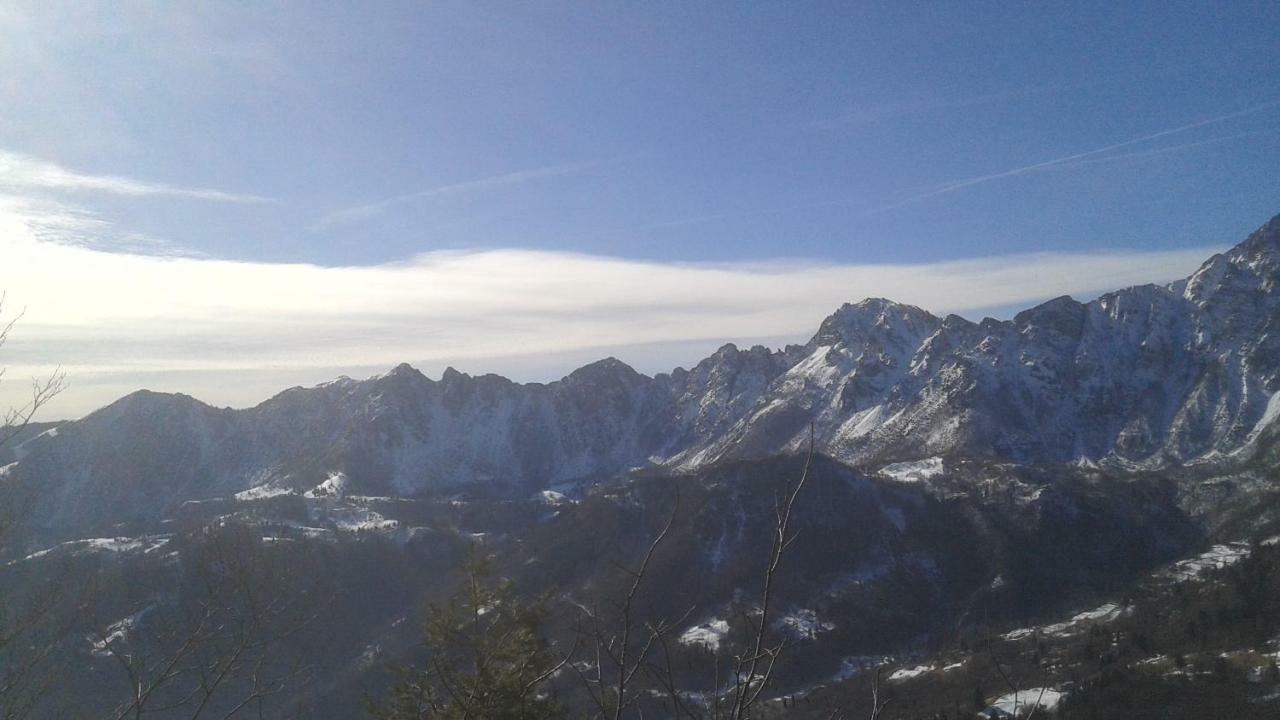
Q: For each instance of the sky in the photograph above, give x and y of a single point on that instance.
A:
(227, 199)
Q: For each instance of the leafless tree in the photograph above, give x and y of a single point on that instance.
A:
(27, 640)
(621, 648)
(753, 672)
(216, 653)
(17, 418)
(23, 675)
(877, 705)
(624, 651)
(1011, 683)
(208, 656)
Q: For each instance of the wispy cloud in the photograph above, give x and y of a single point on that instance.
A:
(24, 173)
(213, 322)
(495, 182)
(61, 223)
(1075, 158)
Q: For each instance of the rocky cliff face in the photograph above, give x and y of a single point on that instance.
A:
(1143, 377)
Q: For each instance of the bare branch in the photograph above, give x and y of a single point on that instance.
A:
(747, 693)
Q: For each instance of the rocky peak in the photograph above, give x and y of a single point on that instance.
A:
(606, 370)
(855, 324)
(451, 375)
(151, 403)
(730, 356)
(400, 380)
(954, 333)
(404, 370)
(1262, 244)
(1259, 256)
(1060, 318)
(1253, 265)
(727, 350)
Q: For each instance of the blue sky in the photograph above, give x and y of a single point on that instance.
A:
(283, 137)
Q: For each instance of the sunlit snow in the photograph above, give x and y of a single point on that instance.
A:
(908, 673)
(914, 470)
(708, 634)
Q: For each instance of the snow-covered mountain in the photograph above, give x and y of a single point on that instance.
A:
(1143, 377)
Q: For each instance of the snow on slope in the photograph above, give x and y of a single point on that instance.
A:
(909, 673)
(913, 470)
(1024, 700)
(262, 492)
(1215, 558)
(334, 486)
(1077, 624)
(146, 544)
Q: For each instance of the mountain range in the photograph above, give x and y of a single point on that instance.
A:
(1142, 378)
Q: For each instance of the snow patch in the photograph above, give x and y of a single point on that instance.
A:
(335, 486)
(817, 370)
(145, 544)
(1268, 416)
(115, 633)
(913, 470)
(1023, 701)
(903, 674)
(262, 492)
(554, 499)
(113, 544)
(708, 634)
(1215, 558)
(357, 519)
(803, 624)
(369, 656)
(1102, 615)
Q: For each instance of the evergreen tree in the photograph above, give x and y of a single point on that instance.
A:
(487, 659)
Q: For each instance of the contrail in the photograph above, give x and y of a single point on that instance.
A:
(1170, 148)
(1069, 159)
(489, 183)
(1084, 158)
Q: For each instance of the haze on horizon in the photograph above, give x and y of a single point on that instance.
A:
(225, 200)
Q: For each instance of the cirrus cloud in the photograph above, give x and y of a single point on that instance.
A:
(20, 172)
